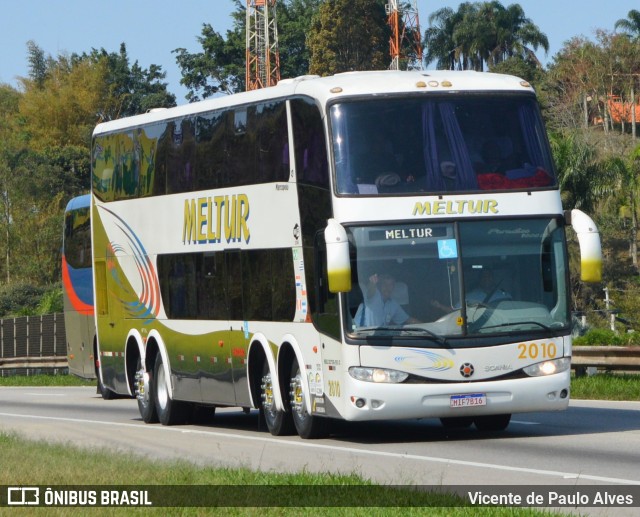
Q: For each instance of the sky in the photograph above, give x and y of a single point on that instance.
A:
(152, 29)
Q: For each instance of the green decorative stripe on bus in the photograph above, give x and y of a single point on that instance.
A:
(212, 219)
(458, 207)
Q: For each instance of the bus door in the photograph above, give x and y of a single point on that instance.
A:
(238, 266)
(109, 321)
(215, 372)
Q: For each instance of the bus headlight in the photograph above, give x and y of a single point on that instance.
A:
(377, 374)
(559, 365)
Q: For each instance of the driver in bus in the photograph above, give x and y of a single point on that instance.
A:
(487, 291)
(379, 308)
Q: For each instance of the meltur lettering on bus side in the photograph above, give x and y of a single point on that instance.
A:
(456, 207)
(212, 219)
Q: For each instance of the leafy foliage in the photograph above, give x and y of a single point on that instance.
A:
(481, 34)
(349, 35)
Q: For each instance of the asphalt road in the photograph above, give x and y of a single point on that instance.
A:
(592, 443)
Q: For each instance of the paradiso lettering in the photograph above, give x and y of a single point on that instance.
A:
(212, 219)
(455, 207)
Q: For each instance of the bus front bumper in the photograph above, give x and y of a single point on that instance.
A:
(373, 401)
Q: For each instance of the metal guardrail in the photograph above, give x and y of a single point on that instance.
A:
(53, 361)
(626, 358)
(32, 344)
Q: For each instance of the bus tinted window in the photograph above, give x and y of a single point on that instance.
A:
(226, 148)
(253, 285)
(309, 141)
(453, 144)
(77, 238)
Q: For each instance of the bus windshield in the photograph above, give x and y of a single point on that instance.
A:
(457, 143)
(412, 278)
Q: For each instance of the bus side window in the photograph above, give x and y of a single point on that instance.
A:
(310, 144)
(181, 166)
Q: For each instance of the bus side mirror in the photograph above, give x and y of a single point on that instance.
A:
(338, 265)
(590, 247)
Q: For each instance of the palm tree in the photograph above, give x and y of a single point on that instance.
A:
(631, 24)
(516, 35)
(479, 34)
(438, 39)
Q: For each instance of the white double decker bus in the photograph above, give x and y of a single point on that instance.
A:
(366, 246)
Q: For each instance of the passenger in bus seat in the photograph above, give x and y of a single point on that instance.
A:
(379, 306)
(502, 170)
(375, 161)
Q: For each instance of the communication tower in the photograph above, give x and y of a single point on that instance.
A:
(405, 45)
(263, 59)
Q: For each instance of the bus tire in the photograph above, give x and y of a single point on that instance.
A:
(492, 422)
(105, 392)
(146, 404)
(307, 426)
(457, 422)
(170, 412)
(279, 423)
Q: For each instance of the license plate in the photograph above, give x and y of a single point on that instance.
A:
(468, 400)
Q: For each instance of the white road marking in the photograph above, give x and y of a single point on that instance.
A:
(46, 394)
(351, 450)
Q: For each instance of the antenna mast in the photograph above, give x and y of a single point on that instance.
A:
(405, 44)
(263, 59)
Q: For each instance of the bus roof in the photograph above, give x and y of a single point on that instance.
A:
(348, 84)
(78, 202)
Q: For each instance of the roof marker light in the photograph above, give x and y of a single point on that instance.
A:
(336, 89)
(446, 84)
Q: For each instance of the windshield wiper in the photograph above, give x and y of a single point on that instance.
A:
(514, 323)
(428, 332)
(398, 329)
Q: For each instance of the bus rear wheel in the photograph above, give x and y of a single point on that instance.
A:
(492, 422)
(145, 386)
(278, 422)
(170, 412)
(307, 426)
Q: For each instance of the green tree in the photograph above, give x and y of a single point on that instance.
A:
(349, 35)
(630, 24)
(294, 23)
(131, 89)
(221, 65)
(38, 68)
(219, 68)
(480, 35)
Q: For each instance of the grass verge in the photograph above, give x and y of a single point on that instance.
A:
(606, 386)
(56, 465)
(45, 380)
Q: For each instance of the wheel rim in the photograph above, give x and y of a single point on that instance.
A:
(163, 393)
(297, 397)
(268, 402)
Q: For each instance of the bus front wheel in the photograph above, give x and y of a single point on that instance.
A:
(308, 426)
(170, 412)
(278, 422)
(492, 422)
(456, 422)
